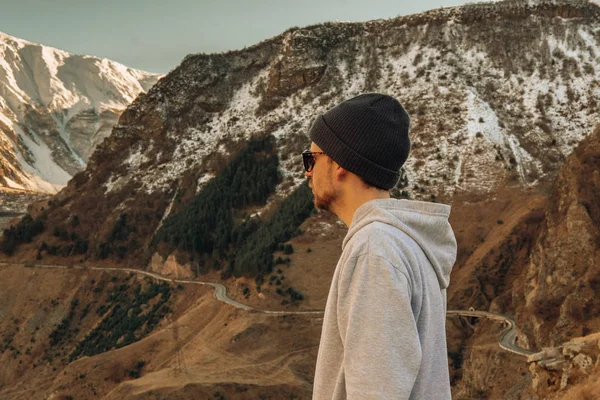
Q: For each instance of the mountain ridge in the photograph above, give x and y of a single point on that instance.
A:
(485, 112)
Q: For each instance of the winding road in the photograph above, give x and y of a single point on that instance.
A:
(219, 294)
(508, 341)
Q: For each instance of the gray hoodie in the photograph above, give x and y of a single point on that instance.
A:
(384, 331)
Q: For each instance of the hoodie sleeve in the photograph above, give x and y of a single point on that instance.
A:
(382, 352)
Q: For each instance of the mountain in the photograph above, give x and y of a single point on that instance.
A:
(499, 94)
(55, 107)
(201, 178)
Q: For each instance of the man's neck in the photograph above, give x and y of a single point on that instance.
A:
(348, 206)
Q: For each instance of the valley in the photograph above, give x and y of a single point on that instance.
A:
(198, 178)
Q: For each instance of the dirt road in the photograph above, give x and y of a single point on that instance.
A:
(508, 341)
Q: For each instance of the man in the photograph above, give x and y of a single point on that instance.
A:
(384, 326)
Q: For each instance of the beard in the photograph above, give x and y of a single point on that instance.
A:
(325, 200)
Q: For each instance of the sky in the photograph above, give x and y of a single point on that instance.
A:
(155, 35)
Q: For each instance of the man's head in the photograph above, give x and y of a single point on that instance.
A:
(366, 136)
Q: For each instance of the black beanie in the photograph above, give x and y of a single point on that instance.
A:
(367, 135)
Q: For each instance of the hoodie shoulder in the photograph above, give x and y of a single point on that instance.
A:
(403, 228)
(378, 238)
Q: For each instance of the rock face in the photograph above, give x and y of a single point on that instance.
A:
(543, 271)
(55, 108)
(563, 281)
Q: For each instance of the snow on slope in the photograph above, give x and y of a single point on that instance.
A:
(479, 118)
(55, 107)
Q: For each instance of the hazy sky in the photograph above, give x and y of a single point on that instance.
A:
(155, 35)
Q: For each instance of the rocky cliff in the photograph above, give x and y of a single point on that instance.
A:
(543, 270)
(562, 286)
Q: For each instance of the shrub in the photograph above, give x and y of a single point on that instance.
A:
(24, 232)
(259, 279)
(136, 372)
(125, 324)
(294, 294)
(81, 246)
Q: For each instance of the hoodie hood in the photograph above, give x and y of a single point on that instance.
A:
(426, 223)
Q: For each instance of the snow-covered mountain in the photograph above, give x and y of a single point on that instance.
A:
(499, 95)
(55, 107)
(497, 92)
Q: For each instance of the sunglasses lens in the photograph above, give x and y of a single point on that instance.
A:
(309, 161)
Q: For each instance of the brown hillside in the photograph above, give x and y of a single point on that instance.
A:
(540, 266)
(220, 349)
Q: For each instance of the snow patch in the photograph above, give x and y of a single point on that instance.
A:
(482, 119)
(203, 181)
(44, 166)
(522, 157)
(135, 159)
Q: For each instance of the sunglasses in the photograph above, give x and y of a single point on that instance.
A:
(308, 157)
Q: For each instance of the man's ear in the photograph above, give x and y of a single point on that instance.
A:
(341, 173)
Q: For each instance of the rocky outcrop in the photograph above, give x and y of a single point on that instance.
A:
(555, 369)
(170, 268)
(284, 81)
(540, 265)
